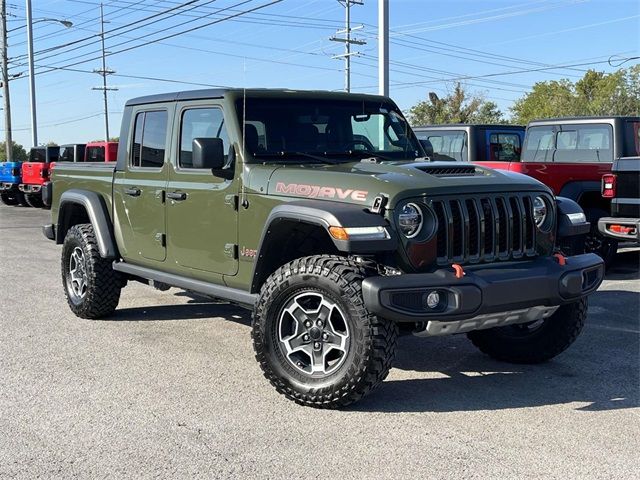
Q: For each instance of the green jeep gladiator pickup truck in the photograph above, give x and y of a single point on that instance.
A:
(319, 212)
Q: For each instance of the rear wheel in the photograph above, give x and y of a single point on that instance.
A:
(533, 342)
(21, 199)
(34, 200)
(91, 285)
(313, 337)
(8, 199)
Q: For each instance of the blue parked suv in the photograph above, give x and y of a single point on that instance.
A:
(10, 178)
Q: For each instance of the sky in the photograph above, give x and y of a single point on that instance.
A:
(498, 49)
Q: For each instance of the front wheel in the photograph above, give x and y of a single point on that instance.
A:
(91, 285)
(313, 337)
(533, 342)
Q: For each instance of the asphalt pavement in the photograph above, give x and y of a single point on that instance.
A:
(169, 387)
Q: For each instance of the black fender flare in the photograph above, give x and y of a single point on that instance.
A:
(323, 214)
(575, 189)
(97, 212)
(571, 218)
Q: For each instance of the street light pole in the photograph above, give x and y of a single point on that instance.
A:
(32, 79)
(5, 84)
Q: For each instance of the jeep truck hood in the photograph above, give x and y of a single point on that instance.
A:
(361, 182)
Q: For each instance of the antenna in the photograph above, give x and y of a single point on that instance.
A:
(104, 71)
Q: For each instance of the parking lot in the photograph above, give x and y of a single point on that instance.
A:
(169, 387)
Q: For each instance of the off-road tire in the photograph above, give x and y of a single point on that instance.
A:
(103, 283)
(34, 200)
(372, 339)
(515, 345)
(8, 199)
(22, 201)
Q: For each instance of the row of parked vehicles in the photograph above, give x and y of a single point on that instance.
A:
(29, 183)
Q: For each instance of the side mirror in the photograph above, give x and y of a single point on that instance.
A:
(427, 147)
(208, 153)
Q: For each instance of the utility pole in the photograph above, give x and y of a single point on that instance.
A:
(32, 75)
(348, 41)
(5, 84)
(383, 47)
(104, 72)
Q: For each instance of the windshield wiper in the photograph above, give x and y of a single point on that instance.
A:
(362, 154)
(283, 154)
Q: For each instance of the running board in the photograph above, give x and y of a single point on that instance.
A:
(233, 295)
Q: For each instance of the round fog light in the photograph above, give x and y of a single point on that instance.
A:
(433, 300)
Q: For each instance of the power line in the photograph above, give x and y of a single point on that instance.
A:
(348, 41)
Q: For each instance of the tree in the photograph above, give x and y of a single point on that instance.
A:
(19, 153)
(457, 107)
(596, 93)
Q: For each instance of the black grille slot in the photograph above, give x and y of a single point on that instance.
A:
(465, 170)
(472, 230)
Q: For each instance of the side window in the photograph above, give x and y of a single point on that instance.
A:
(67, 155)
(447, 145)
(504, 147)
(538, 144)
(200, 123)
(584, 143)
(149, 139)
(95, 154)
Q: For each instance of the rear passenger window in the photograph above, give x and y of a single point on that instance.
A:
(149, 139)
(584, 143)
(95, 154)
(538, 145)
(504, 147)
(200, 123)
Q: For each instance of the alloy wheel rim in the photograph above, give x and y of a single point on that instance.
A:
(313, 334)
(78, 273)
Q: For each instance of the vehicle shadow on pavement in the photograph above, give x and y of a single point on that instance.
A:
(599, 372)
(626, 266)
(193, 310)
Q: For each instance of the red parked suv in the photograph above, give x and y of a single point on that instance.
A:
(571, 155)
(35, 173)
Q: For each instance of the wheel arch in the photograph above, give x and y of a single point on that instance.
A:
(83, 206)
(586, 194)
(298, 229)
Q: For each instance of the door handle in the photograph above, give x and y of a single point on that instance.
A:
(179, 196)
(134, 192)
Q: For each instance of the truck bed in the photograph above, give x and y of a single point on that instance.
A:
(93, 176)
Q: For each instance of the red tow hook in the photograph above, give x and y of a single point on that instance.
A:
(561, 259)
(458, 269)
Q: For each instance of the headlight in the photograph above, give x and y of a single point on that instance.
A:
(410, 220)
(540, 211)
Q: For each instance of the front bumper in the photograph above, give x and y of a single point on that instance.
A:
(29, 188)
(7, 187)
(483, 289)
(621, 228)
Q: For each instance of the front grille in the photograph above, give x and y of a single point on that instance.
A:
(484, 228)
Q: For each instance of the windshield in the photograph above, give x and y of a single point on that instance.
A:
(330, 128)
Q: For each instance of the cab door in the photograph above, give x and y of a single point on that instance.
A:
(139, 190)
(202, 217)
